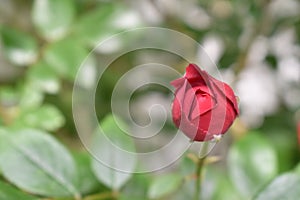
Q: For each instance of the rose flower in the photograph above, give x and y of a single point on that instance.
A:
(203, 107)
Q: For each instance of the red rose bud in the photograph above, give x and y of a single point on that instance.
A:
(203, 107)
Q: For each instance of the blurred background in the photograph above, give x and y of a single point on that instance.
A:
(255, 45)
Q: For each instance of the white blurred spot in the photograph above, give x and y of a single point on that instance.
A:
(292, 98)
(213, 49)
(43, 16)
(21, 57)
(56, 34)
(87, 78)
(289, 69)
(50, 86)
(127, 20)
(108, 45)
(196, 17)
(289, 75)
(284, 8)
(228, 75)
(149, 13)
(257, 91)
(283, 43)
(171, 7)
(258, 50)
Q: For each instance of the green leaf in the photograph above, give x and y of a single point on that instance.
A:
(105, 21)
(20, 48)
(106, 148)
(215, 183)
(65, 57)
(7, 192)
(53, 18)
(187, 166)
(282, 137)
(284, 187)
(225, 190)
(88, 182)
(252, 163)
(30, 97)
(137, 187)
(35, 162)
(25, 95)
(285, 146)
(297, 170)
(46, 117)
(164, 185)
(9, 96)
(44, 78)
(187, 169)
(94, 25)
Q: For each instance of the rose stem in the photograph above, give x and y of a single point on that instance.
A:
(200, 164)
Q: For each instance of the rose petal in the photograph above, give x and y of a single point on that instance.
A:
(203, 104)
(199, 79)
(193, 72)
(178, 82)
(227, 91)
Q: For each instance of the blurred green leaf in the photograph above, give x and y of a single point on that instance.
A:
(252, 163)
(298, 169)
(95, 24)
(46, 117)
(44, 78)
(20, 48)
(105, 21)
(225, 190)
(185, 192)
(187, 166)
(37, 163)
(284, 187)
(124, 197)
(212, 177)
(30, 97)
(285, 144)
(65, 57)
(187, 169)
(25, 95)
(108, 146)
(53, 18)
(164, 185)
(9, 96)
(283, 138)
(211, 180)
(7, 192)
(88, 182)
(137, 187)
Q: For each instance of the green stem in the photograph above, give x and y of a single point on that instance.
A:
(199, 169)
